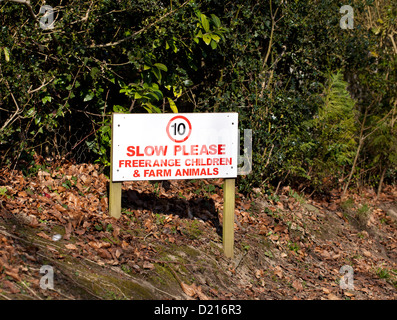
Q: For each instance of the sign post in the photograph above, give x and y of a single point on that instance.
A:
(176, 146)
(114, 187)
(228, 217)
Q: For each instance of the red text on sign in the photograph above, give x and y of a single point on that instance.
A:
(157, 173)
(196, 150)
(149, 163)
(147, 151)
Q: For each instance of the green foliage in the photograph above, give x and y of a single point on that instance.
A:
(335, 131)
(274, 62)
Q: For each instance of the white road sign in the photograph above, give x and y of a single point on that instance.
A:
(174, 146)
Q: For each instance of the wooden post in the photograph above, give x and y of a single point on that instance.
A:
(114, 187)
(228, 217)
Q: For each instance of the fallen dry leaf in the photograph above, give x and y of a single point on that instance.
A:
(43, 235)
(326, 291)
(193, 291)
(189, 290)
(348, 294)
(104, 254)
(333, 206)
(325, 254)
(274, 237)
(68, 231)
(278, 272)
(339, 214)
(148, 265)
(200, 294)
(99, 244)
(22, 194)
(11, 286)
(367, 253)
(259, 273)
(280, 228)
(13, 273)
(297, 285)
(59, 207)
(70, 246)
(280, 205)
(331, 296)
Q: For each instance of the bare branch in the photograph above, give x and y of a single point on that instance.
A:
(43, 85)
(115, 43)
(393, 42)
(28, 5)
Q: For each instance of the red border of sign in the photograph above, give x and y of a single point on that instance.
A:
(168, 127)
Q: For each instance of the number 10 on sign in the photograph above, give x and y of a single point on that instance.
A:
(179, 129)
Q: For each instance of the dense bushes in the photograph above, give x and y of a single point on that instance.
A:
(320, 100)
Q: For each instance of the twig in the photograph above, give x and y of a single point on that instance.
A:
(62, 294)
(5, 297)
(43, 85)
(11, 119)
(23, 282)
(115, 43)
(176, 276)
(144, 239)
(85, 18)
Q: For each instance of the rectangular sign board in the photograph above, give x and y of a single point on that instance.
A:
(174, 146)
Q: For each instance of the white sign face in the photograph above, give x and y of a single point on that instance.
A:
(174, 146)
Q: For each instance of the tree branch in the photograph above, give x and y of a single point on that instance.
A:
(115, 43)
(43, 85)
(28, 5)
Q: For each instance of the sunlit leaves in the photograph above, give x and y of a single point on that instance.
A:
(6, 54)
(210, 37)
(172, 105)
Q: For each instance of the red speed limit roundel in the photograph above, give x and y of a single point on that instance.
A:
(179, 129)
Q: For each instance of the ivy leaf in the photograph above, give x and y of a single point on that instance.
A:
(94, 72)
(89, 96)
(46, 99)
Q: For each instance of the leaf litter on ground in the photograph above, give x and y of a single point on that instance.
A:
(292, 248)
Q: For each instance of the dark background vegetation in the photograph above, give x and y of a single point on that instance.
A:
(321, 100)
